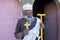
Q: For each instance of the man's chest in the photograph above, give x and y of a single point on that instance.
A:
(31, 22)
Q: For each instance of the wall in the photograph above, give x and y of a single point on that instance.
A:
(9, 12)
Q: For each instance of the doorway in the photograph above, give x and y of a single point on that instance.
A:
(50, 20)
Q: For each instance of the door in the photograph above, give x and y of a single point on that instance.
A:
(50, 21)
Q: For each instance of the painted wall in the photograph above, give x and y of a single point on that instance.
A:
(9, 12)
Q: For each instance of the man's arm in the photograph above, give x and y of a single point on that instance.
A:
(18, 33)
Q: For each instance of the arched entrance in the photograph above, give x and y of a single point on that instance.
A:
(50, 20)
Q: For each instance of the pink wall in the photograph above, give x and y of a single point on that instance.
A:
(9, 11)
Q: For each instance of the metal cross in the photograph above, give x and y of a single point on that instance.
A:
(27, 25)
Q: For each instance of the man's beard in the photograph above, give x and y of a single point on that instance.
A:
(29, 15)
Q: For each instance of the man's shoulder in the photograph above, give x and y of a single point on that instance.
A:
(37, 18)
(21, 19)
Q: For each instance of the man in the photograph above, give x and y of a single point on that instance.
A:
(32, 32)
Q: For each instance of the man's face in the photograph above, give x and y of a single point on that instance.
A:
(28, 13)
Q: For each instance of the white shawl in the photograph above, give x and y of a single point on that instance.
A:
(33, 33)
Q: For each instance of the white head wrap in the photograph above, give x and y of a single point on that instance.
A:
(27, 6)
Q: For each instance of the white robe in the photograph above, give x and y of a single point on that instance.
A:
(33, 33)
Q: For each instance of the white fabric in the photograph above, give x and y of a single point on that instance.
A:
(27, 6)
(33, 33)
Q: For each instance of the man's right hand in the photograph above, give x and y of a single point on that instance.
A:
(25, 32)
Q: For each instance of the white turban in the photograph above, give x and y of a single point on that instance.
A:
(27, 6)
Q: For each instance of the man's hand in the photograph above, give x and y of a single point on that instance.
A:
(42, 25)
(25, 32)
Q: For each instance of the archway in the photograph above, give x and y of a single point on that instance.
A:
(40, 6)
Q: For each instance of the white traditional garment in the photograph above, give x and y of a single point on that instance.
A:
(33, 33)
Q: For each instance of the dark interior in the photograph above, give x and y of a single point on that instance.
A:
(38, 6)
